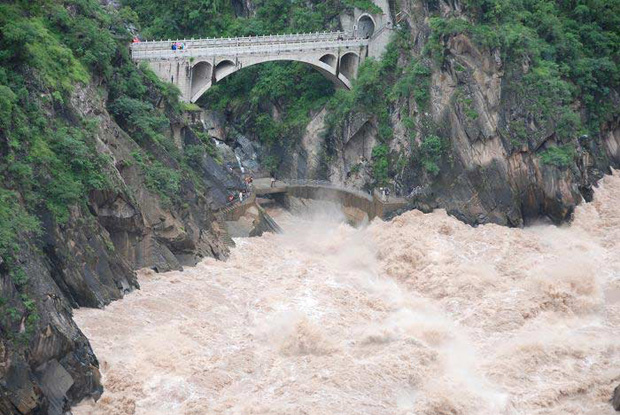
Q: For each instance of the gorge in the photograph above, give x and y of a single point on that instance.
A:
(490, 128)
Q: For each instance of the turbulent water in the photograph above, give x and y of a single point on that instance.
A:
(420, 315)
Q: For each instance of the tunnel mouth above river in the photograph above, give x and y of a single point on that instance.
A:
(419, 315)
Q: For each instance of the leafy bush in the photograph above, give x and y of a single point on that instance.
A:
(562, 156)
(431, 150)
(414, 82)
(366, 5)
(14, 221)
(163, 181)
(380, 164)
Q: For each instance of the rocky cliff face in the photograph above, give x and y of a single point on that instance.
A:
(489, 176)
(493, 139)
(485, 174)
(47, 364)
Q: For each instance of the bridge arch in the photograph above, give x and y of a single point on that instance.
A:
(327, 65)
(224, 68)
(202, 73)
(366, 26)
(330, 59)
(348, 64)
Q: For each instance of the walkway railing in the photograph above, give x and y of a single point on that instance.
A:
(230, 211)
(249, 199)
(327, 184)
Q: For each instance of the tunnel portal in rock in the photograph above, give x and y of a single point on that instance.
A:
(365, 26)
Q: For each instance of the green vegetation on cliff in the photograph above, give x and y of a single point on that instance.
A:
(49, 155)
(556, 54)
(52, 55)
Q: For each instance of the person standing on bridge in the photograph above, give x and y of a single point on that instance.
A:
(273, 181)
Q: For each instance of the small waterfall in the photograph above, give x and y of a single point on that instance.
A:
(239, 162)
(218, 143)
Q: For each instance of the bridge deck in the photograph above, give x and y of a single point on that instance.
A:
(232, 49)
(243, 41)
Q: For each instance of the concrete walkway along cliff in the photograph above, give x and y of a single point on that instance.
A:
(370, 205)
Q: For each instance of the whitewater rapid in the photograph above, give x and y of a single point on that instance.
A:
(421, 315)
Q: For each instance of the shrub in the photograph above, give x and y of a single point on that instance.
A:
(14, 221)
(415, 82)
(163, 181)
(562, 156)
(431, 150)
(380, 163)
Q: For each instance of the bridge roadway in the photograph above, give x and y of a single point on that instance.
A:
(358, 202)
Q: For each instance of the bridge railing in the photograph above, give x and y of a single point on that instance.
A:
(246, 40)
(246, 49)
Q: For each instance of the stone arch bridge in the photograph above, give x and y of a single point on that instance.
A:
(203, 62)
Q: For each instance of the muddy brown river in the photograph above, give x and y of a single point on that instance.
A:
(422, 315)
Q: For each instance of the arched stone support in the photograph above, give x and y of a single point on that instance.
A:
(349, 62)
(201, 75)
(326, 63)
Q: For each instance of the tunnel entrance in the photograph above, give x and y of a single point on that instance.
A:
(365, 26)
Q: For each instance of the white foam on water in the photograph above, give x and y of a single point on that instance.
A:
(421, 315)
